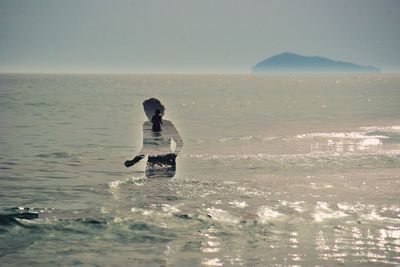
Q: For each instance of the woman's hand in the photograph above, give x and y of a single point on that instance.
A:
(130, 163)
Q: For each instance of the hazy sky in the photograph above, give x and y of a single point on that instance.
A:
(192, 36)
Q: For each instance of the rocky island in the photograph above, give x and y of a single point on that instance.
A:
(290, 62)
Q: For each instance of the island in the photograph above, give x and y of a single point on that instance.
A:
(294, 63)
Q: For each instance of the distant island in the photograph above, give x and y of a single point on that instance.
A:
(290, 62)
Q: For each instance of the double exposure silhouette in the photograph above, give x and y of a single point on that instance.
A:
(157, 136)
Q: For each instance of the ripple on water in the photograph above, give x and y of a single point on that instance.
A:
(375, 216)
(265, 214)
(212, 262)
(238, 204)
(324, 212)
(222, 215)
(61, 154)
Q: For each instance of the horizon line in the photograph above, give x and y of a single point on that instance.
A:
(277, 73)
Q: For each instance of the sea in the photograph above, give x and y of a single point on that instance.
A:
(275, 170)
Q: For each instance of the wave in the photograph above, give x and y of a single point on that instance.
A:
(265, 214)
(132, 180)
(324, 212)
(311, 155)
(367, 142)
(59, 155)
(364, 133)
(248, 138)
(341, 135)
(371, 138)
(14, 218)
(222, 216)
(393, 129)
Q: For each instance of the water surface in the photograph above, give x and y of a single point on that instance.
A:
(275, 171)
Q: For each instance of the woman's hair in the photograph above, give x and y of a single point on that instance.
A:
(151, 105)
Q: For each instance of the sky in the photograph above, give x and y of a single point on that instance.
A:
(192, 36)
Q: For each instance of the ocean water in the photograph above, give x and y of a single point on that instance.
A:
(274, 171)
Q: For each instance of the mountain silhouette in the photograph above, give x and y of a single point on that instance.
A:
(290, 62)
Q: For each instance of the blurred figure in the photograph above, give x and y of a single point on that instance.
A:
(157, 121)
(157, 136)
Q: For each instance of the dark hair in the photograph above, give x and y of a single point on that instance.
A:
(153, 104)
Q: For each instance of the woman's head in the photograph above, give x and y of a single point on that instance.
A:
(151, 105)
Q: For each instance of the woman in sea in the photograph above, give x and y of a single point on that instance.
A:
(157, 142)
(157, 121)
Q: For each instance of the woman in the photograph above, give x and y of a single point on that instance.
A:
(157, 142)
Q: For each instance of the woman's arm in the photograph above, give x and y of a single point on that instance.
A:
(177, 138)
(141, 154)
(132, 162)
